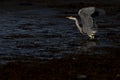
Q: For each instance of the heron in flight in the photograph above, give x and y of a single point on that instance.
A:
(89, 26)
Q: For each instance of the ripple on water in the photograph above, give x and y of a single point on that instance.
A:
(33, 34)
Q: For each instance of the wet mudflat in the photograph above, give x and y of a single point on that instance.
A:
(39, 43)
(82, 67)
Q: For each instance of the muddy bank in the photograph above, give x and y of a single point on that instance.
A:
(73, 67)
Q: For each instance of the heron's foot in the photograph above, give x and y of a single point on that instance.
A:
(91, 37)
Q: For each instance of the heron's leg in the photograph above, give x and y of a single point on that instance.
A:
(93, 37)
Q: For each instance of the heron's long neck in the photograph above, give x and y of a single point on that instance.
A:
(77, 24)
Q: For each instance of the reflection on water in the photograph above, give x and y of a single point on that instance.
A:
(45, 33)
(88, 45)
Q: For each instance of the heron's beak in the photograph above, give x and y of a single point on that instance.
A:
(69, 17)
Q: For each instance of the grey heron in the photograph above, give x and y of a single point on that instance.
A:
(89, 26)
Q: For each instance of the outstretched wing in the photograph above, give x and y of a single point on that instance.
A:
(87, 20)
(88, 11)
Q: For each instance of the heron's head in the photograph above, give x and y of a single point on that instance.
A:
(71, 17)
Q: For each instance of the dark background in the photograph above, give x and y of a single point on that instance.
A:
(37, 42)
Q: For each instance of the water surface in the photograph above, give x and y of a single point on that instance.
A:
(28, 33)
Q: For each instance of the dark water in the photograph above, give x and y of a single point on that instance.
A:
(28, 33)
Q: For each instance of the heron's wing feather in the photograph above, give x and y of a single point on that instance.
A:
(87, 20)
(88, 11)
